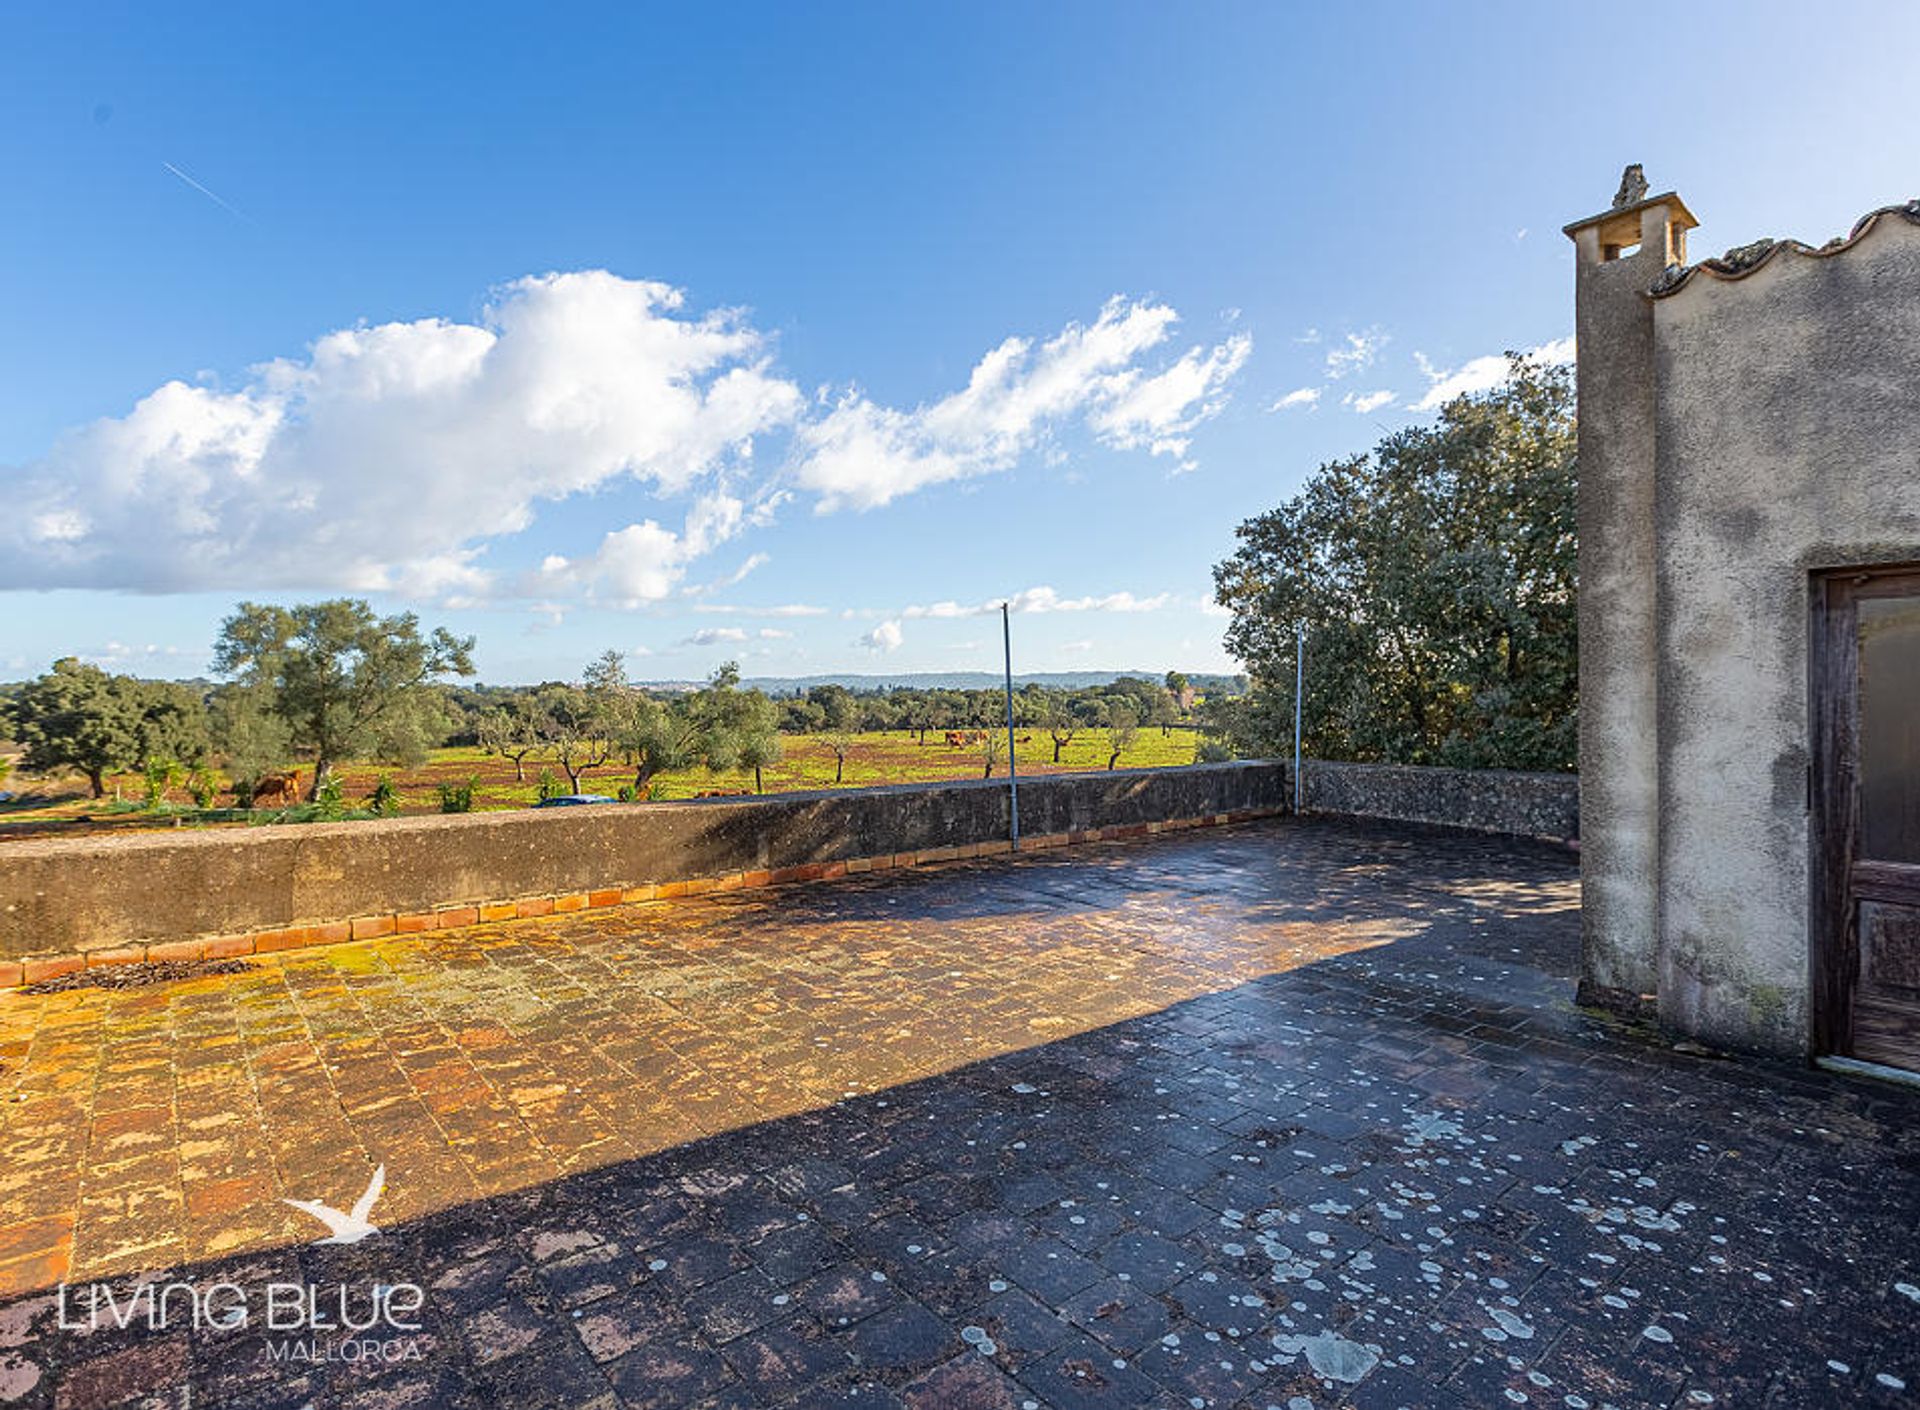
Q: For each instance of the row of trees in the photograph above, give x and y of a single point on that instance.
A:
(607, 718)
(320, 684)
(1133, 700)
(325, 683)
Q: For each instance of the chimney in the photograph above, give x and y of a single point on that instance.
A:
(1617, 256)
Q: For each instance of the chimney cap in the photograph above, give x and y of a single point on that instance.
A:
(1624, 221)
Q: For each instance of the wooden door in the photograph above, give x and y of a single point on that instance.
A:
(1866, 916)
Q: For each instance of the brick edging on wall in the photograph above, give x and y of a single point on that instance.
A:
(34, 969)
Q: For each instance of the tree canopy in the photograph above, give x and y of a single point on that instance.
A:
(1436, 577)
(345, 682)
(719, 725)
(78, 716)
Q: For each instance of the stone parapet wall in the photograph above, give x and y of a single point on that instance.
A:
(70, 903)
(1485, 800)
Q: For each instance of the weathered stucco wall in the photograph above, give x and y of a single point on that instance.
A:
(1486, 800)
(1788, 433)
(1619, 769)
(133, 897)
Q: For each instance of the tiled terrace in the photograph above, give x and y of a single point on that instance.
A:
(1291, 1115)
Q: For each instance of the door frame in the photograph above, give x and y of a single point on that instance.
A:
(1833, 672)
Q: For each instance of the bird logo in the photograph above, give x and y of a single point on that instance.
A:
(353, 1226)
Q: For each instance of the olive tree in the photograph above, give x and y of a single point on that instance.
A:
(510, 730)
(343, 680)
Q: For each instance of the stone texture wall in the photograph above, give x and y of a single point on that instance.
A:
(1788, 428)
(1485, 800)
(179, 895)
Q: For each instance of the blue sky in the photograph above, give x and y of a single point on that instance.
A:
(797, 334)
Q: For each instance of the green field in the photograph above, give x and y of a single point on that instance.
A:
(807, 763)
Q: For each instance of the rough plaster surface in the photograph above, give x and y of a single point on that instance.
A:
(1619, 768)
(1788, 433)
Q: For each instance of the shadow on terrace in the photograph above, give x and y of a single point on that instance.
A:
(1295, 1113)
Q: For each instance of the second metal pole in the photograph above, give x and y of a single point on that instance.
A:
(1013, 776)
(1299, 685)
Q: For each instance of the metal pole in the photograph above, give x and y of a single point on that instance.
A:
(1299, 685)
(1013, 774)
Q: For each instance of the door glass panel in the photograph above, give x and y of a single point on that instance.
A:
(1890, 729)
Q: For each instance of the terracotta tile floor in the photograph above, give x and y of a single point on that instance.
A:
(1294, 1115)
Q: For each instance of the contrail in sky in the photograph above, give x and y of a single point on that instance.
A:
(211, 196)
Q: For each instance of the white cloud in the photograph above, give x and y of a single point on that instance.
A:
(1042, 599)
(862, 455)
(643, 562)
(59, 526)
(883, 638)
(1356, 353)
(715, 636)
(388, 456)
(1157, 411)
(789, 609)
(773, 634)
(1076, 648)
(392, 457)
(119, 654)
(1363, 402)
(753, 562)
(1481, 374)
(1300, 396)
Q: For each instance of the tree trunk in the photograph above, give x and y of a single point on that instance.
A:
(839, 768)
(322, 771)
(519, 768)
(573, 775)
(756, 780)
(642, 781)
(1057, 745)
(1114, 758)
(989, 772)
(98, 780)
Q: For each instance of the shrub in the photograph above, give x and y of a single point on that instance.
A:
(457, 797)
(1213, 751)
(625, 795)
(385, 800)
(161, 775)
(203, 786)
(549, 785)
(330, 799)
